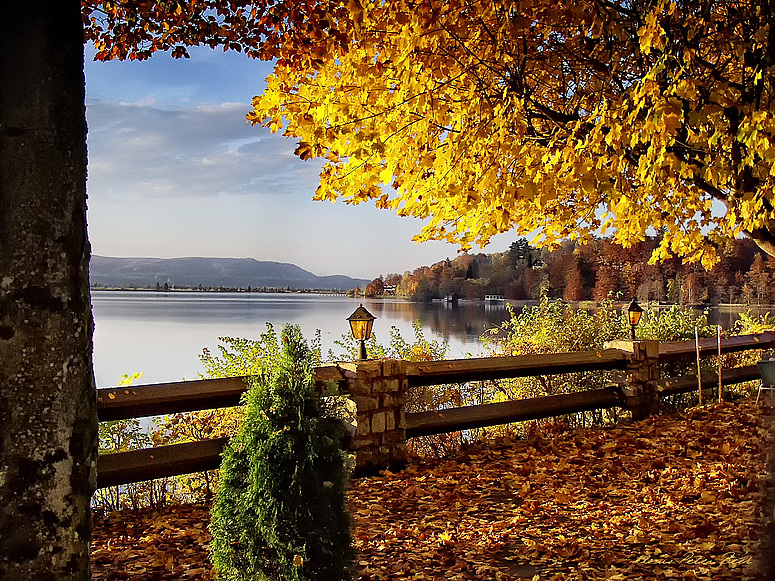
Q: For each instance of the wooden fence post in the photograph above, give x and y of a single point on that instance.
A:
(639, 385)
(379, 390)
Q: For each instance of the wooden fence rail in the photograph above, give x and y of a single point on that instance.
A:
(137, 401)
(379, 390)
(159, 462)
(485, 368)
(506, 412)
(121, 403)
(672, 350)
(709, 379)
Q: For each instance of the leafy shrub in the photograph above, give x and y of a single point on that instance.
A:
(238, 357)
(676, 323)
(280, 510)
(552, 326)
(421, 349)
(749, 324)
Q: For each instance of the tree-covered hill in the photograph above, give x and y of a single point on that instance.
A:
(210, 273)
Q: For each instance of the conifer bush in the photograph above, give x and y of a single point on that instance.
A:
(280, 511)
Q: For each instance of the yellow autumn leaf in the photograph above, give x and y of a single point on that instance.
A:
(671, 122)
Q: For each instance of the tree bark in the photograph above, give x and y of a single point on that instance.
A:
(48, 423)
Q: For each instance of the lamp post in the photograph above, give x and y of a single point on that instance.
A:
(361, 322)
(634, 311)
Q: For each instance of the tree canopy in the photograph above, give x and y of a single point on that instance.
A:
(562, 119)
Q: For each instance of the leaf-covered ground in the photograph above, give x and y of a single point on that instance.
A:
(673, 497)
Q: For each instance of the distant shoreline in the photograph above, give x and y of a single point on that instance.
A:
(262, 290)
(513, 302)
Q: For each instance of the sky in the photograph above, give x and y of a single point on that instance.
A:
(174, 170)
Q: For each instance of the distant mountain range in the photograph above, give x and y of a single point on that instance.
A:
(211, 272)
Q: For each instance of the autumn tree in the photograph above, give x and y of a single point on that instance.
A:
(758, 279)
(48, 441)
(615, 115)
(375, 287)
(574, 286)
(607, 283)
(560, 118)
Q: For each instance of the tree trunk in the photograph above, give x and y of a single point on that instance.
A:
(48, 424)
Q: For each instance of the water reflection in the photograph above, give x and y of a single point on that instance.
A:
(162, 334)
(460, 322)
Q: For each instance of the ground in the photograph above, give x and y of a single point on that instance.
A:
(683, 496)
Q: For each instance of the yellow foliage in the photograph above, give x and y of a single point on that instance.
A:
(485, 121)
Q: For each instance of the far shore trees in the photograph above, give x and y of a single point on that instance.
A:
(596, 271)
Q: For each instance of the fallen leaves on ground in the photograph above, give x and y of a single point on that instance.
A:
(670, 497)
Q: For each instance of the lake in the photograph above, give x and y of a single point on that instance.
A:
(162, 334)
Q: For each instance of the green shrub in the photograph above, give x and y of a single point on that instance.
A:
(676, 323)
(280, 510)
(553, 326)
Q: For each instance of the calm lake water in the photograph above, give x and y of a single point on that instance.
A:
(162, 334)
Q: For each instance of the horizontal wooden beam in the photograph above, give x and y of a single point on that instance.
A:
(159, 462)
(670, 350)
(118, 403)
(483, 368)
(687, 383)
(137, 401)
(470, 417)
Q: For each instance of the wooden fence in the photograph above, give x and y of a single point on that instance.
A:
(379, 389)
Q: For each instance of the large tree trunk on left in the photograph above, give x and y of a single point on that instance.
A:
(48, 424)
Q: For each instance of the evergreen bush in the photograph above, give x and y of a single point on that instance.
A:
(280, 511)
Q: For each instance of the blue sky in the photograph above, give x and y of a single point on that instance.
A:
(174, 170)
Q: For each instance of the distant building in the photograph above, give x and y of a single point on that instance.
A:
(494, 298)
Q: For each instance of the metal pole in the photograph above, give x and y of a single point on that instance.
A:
(718, 341)
(697, 348)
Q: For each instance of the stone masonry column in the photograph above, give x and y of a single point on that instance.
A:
(379, 390)
(639, 384)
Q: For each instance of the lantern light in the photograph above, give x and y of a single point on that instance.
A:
(634, 312)
(361, 322)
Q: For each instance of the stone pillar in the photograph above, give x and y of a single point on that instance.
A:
(379, 389)
(639, 381)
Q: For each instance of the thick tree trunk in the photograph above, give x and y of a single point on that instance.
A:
(48, 425)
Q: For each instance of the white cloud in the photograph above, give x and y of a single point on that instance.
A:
(174, 170)
(140, 151)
